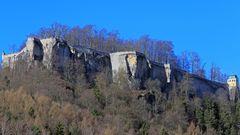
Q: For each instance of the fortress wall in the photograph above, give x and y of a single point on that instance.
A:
(135, 66)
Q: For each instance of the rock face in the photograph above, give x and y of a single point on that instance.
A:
(57, 54)
(200, 85)
(93, 61)
(134, 65)
(32, 52)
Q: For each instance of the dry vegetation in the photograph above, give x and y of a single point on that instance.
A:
(37, 101)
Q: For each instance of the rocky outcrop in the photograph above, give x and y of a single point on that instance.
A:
(139, 69)
(134, 65)
(200, 85)
(93, 61)
(33, 51)
(57, 54)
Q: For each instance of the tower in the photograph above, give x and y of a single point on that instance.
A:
(233, 87)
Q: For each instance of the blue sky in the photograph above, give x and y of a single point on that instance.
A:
(208, 27)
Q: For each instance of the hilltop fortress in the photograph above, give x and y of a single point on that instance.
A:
(55, 54)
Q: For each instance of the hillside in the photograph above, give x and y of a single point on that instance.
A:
(51, 87)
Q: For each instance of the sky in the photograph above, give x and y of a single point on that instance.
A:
(208, 27)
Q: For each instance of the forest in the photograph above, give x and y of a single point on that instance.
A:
(39, 101)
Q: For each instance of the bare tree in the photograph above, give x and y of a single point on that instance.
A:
(184, 61)
(73, 37)
(144, 44)
(195, 62)
(216, 74)
(56, 30)
(112, 42)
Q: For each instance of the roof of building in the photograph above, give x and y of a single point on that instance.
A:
(233, 77)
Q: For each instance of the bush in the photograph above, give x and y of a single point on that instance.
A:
(36, 130)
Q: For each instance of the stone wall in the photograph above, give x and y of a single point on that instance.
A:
(56, 54)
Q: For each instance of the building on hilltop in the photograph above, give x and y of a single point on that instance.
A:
(233, 81)
(233, 88)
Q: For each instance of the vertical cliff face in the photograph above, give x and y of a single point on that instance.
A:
(138, 69)
(33, 51)
(200, 85)
(157, 72)
(123, 62)
(134, 65)
(57, 55)
(48, 45)
(93, 61)
(61, 56)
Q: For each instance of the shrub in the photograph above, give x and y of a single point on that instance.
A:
(36, 130)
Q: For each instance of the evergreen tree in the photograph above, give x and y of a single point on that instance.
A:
(211, 114)
(59, 130)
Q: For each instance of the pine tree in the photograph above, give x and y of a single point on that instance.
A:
(59, 130)
(211, 114)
